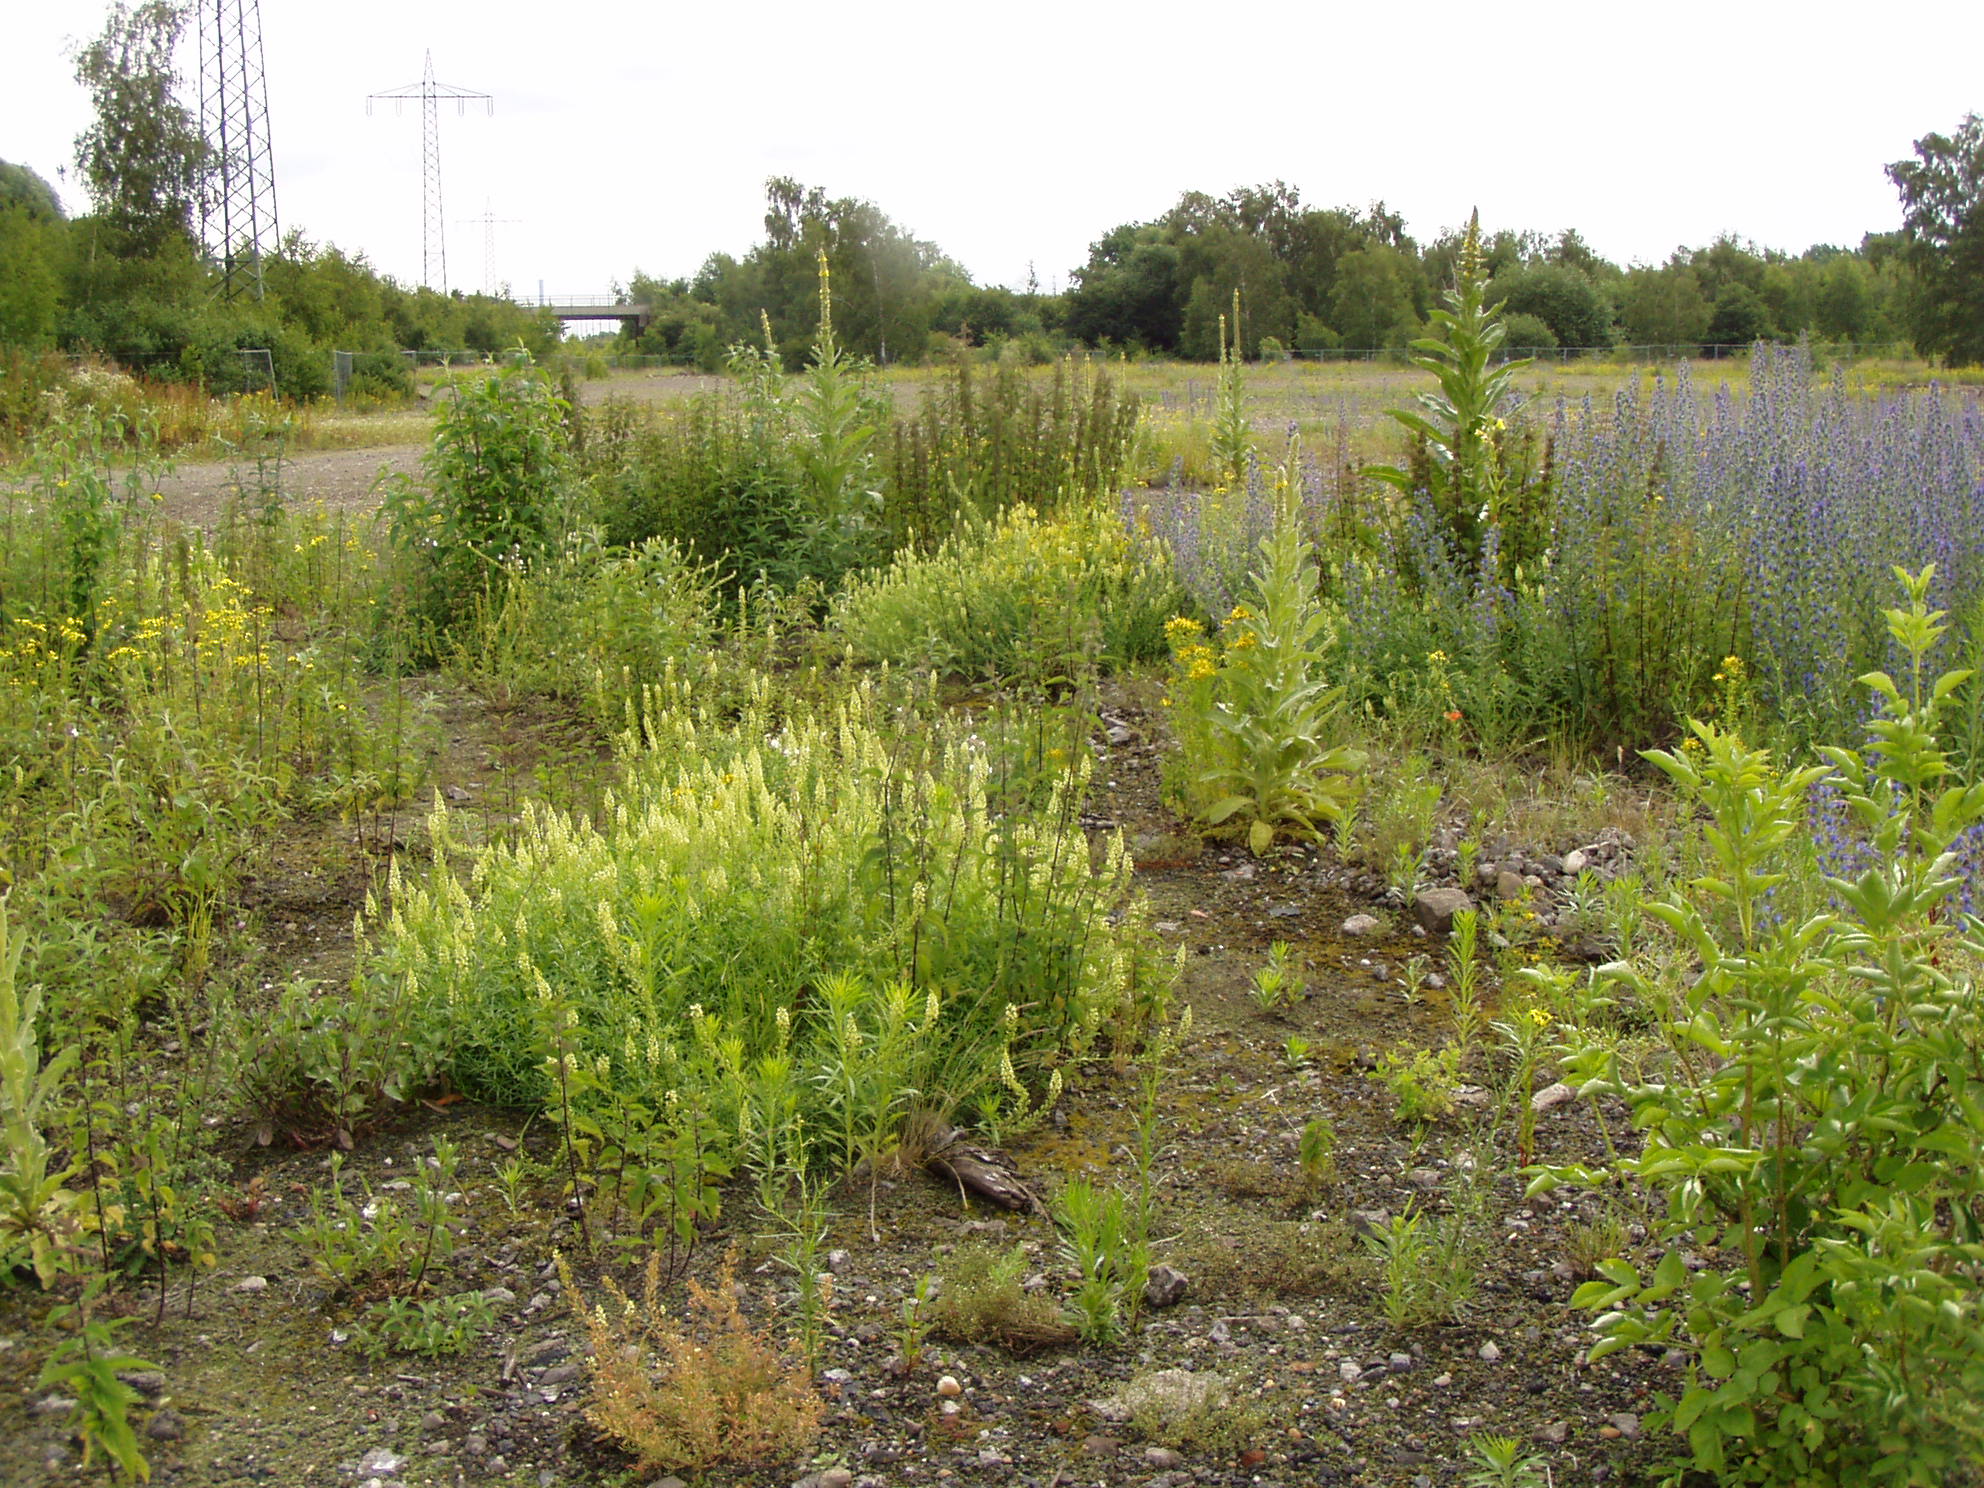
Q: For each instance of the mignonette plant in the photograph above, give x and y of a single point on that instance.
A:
(1820, 1117)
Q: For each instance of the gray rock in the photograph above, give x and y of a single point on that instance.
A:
(1349, 1372)
(1163, 1459)
(1509, 885)
(380, 1461)
(1399, 1363)
(1361, 925)
(1552, 1433)
(1550, 864)
(1489, 1353)
(1626, 1424)
(1435, 909)
(166, 1425)
(1550, 1097)
(559, 1374)
(1575, 862)
(499, 1296)
(1165, 1286)
(53, 1405)
(251, 1284)
(1370, 1221)
(149, 1383)
(433, 1421)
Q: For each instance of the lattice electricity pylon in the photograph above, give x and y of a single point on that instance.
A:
(490, 221)
(433, 224)
(238, 208)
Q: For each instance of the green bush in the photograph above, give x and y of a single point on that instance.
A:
(498, 480)
(1818, 1121)
(1023, 598)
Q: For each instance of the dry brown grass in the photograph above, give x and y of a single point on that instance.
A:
(708, 1390)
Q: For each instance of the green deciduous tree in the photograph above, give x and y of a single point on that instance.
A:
(1563, 298)
(1371, 304)
(1942, 194)
(1664, 307)
(144, 159)
(33, 239)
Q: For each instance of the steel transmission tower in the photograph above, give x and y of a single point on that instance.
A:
(433, 223)
(238, 208)
(490, 221)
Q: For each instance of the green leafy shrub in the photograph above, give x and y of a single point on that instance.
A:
(817, 918)
(1022, 598)
(498, 484)
(1819, 1120)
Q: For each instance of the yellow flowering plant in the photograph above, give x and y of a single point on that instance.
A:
(1255, 715)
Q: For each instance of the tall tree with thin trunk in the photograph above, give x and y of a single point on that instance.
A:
(144, 159)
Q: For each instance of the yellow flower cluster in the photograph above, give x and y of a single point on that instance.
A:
(1198, 662)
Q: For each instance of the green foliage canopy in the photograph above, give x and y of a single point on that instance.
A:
(1942, 194)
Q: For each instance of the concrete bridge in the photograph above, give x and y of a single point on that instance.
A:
(632, 316)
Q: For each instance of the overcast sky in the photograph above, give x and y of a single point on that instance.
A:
(637, 135)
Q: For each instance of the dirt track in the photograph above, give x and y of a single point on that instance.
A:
(197, 492)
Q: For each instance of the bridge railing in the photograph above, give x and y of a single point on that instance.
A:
(575, 302)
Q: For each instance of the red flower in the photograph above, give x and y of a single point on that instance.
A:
(1453, 715)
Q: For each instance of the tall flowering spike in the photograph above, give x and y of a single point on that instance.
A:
(1468, 269)
(826, 301)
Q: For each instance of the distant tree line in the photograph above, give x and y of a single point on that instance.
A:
(1321, 279)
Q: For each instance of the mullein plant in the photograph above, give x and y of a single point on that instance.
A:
(1458, 426)
(837, 421)
(1232, 433)
(35, 1223)
(1254, 712)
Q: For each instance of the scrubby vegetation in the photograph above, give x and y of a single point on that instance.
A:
(1497, 879)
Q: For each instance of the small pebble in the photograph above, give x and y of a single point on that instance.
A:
(1489, 1353)
(948, 1386)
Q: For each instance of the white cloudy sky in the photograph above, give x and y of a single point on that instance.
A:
(631, 134)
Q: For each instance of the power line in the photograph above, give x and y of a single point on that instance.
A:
(238, 208)
(433, 222)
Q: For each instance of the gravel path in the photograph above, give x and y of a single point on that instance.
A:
(197, 492)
